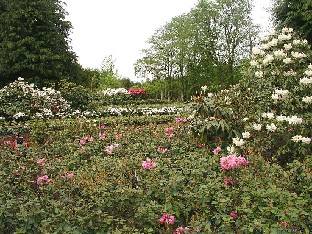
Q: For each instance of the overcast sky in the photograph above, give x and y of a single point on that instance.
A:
(121, 27)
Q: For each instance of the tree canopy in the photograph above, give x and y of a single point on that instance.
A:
(34, 42)
(296, 14)
(202, 47)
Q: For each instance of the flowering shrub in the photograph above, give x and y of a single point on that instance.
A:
(187, 191)
(138, 91)
(20, 100)
(269, 111)
(231, 162)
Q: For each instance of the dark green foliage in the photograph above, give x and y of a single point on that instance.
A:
(296, 14)
(34, 42)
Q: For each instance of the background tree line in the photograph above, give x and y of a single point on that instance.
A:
(206, 46)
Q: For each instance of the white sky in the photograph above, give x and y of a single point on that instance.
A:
(121, 27)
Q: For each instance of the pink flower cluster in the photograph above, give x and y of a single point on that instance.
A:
(148, 164)
(167, 219)
(216, 150)
(169, 132)
(228, 181)
(234, 215)
(137, 91)
(181, 230)
(162, 150)
(102, 136)
(109, 149)
(41, 161)
(67, 176)
(43, 180)
(230, 162)
(84, 140)
(181, 120)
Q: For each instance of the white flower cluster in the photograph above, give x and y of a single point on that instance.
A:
(113, 92)
(18, 115)
(299, 138)
(307, 99)
(271, 127)
(279, 94)
(268, 115)
(257, 127)
(291, 120)
(238, 141)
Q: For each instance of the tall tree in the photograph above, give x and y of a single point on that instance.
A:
(202, 47)
(296, 14)
(34, 41)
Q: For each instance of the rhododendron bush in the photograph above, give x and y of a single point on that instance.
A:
(269, 111)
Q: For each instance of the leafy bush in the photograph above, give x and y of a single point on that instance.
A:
(20, 101)
(79, 97)
(89, 177)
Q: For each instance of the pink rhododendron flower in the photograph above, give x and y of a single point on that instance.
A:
(284, 224)
(43, 180)
(109, 149)
(162, 150)
(68, 175)
(102, 136)
(202, 145)
(230, 162)
(169, 132)
(181, 120)
(118, 136)
(181, 230)
(148, 164)
(7, 142)
(234, 215)
(91, 139)
(41, 161)
(197, 229)
(216, 150)
(228, 181)
(166, 218)
(101, 126)
(83, 141)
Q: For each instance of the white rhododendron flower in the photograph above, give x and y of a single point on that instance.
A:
(246, 135)
(296, 138)
(256, 50)
(238, 141)
(287, 30)
(204, 88)
(271, 127)
(284, 37)
(305, 80)
(268, 59)
(259, 74)
(273, 43)
(308, 72)
(268, 115)
(298, 55)
(307, 99)
(279, 54)
(306, 140)
(287, 60)
(253, 63)
(287, 46)
(281, 118)
(257, 127)
(290, 73)
(294, 120)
